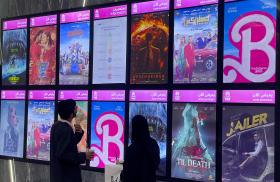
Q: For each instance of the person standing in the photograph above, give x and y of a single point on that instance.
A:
(189, 58)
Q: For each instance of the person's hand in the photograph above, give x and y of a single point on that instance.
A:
(89, 154)
(78, 128)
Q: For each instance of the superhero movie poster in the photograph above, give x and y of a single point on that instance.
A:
(248, 143)
(74, 53)
(40, 120)
(195, 45)
(12, 128)
(193, 141)
(107, 133)
(149, 48)
(81, 118)
(156, 114)
(42, 56)
(109, 52)
(14, 57)
(249, 41)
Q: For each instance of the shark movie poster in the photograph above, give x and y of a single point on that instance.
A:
(250, 41)
(14, 57)
(12, 128)
(195, 45)
(248, 143)
(40, 120)
(156, 114)
(149, 48)
(74, 53)
(193, 141)
(42, 61)
(107, 133)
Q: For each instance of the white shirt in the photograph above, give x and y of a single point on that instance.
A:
(258, 148)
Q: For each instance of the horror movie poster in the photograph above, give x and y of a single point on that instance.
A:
(74, 53)
(248, 143)
(156, 114)
(12, 128)
(195, 45)
(42, 61)
(14, 57)
(249, 41)
(149, 48)
(193, 141)
(107, 133)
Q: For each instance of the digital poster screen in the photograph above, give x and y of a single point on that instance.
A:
(190, 3)
(109, 45)
(14, 46)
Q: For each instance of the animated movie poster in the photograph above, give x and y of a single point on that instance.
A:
(74, 53)
(149, 48)
(42, 65)
(12, 128)
(81, 118)
(107, 133)
(109, 56)
(194, 141)
(248, 143)
(156, 114)
(250, 41)
(40, 120)
(14, 57)
(195, 45)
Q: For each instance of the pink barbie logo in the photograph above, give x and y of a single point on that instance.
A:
(109, 128)
(254, 35)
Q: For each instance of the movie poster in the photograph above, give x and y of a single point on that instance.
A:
(250, 41)
(14, 57)
(12, 128)
(109, 53)
(195, 45)
(149, 48)
(194, 141)
(248, 143)
(74, 53)
(42, 61)
(107, 133)
(156, 114)
(40, 120)
(81, 118)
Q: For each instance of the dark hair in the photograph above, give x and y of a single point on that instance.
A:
(66, 108)
(149, 37)
(140, 129)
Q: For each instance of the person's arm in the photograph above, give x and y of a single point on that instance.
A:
(126, 165)
(65, 151)
(258, 149)
(79, 136)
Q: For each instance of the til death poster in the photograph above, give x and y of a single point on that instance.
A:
(193, 141)
(14, 57)
(12, 128)
(42, 61)
(149, 48)
(248, 143)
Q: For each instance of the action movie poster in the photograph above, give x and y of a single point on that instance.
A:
(195, 45)
(107, 133)
(81, 119)
(74, 53)
(14, 57)
(149, 48)
(193, 141)
(248, 143)
(109, 54)
(12, 128)
(42, 61)
(156, 114)
(250, 41)
(40, 120)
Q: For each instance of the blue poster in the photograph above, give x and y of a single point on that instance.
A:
(12, 128)
(40, 120)
(107, 132)
(74, 53)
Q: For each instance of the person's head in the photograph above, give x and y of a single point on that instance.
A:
(38, 37)
(12, 116)
(190, 39)
(46, 38)
(256, 136)
(140, 129)
(67, 109)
